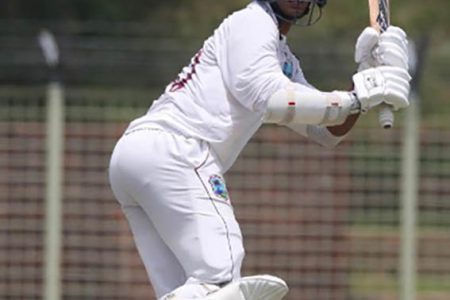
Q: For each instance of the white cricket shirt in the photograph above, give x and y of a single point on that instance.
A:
(222, 95)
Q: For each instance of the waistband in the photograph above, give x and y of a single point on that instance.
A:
(155, 127)
(138, 129)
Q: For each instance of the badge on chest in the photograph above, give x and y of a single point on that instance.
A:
(288, 69)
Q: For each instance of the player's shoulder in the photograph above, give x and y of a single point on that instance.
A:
(256, 11)
(256, 16)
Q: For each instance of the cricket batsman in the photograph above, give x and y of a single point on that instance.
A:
(167, 170)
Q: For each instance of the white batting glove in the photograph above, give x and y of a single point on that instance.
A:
(392, 48)
(387, 49)
(365, 45)
(382, 84)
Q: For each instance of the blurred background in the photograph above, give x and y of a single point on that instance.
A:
(367, 220)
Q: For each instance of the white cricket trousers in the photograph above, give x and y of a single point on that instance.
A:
(173, 195)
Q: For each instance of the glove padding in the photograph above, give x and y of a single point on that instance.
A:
(382, 84)
(389, 48)
(365, 45)
(392, 48)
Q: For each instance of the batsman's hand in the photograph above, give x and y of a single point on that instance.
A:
(392, 48)
(389, 48)
(365, 45)
(382, 84)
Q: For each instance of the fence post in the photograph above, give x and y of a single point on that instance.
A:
(54, 172)
(409, 192)
(410, 177)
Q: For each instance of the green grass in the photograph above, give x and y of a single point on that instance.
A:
(377, 279)
(387, 283)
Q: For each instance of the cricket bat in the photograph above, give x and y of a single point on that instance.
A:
(380, 20)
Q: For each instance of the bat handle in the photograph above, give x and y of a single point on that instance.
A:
(386, 116)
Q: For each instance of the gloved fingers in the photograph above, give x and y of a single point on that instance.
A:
(365, 43)
(397, 88)
(391, 55)
(396, 100)
(397, 31)
(391, 71)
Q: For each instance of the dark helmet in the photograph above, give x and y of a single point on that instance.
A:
(309, 17)
(321, 3)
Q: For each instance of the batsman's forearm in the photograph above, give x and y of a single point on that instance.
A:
(344, 128)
